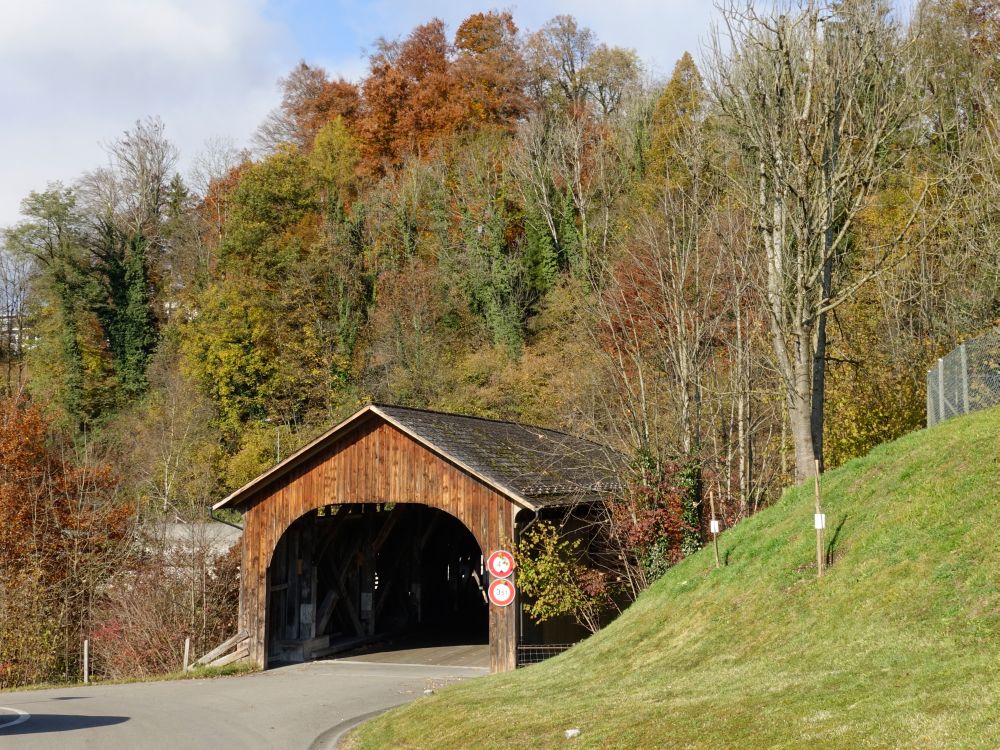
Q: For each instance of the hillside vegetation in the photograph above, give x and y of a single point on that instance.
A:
(706, 267)
(897, 647)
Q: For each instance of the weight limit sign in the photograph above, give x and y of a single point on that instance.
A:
(502, 592)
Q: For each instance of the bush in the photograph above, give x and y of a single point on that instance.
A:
(144, 615)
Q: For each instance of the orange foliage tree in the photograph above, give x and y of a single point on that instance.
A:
(490, 70)
(61, 532)
(309, 101)
(410, 97)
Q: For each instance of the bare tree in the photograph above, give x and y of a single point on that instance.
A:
(815, 93)
(15, 277)
(218, 157)
(665, 300)
(129, 195)
(566, 64)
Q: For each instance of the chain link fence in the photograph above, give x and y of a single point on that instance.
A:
(527, 654)
(967, 379)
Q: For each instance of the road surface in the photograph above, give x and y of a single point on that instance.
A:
(302, 706)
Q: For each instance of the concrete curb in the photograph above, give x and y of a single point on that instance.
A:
(330, 739)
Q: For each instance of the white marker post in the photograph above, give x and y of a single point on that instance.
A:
(187, 653)
(86, 661)
(714, 527)
(819, 521)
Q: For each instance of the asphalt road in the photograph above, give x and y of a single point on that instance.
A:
(301, 706)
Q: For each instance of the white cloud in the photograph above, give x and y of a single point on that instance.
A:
(74, 74)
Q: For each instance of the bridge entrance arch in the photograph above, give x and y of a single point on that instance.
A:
(346, 537)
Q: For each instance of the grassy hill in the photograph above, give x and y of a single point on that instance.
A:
(897, 647)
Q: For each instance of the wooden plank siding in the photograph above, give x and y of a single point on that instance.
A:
(372, 463)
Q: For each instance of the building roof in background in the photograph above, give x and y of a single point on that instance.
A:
(216, 538)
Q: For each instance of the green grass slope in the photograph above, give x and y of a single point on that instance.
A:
(897, 647)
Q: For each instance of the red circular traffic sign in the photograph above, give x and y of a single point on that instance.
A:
(500, 564)
(502, 592)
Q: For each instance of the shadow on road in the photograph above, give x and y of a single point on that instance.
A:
(45, 723)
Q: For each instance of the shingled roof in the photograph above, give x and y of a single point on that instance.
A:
(535, 467)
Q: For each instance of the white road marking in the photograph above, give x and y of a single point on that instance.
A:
(22, 716)
(404, 664)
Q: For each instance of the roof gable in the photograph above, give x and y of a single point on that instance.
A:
(532, 466)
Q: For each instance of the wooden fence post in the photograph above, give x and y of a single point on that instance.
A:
(715, 528)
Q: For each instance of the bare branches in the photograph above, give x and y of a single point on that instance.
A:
(817, 99)
(131, 192)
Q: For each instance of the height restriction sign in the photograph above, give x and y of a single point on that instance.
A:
(500, 564)
(502, 592)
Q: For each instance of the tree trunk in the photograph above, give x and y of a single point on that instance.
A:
(819, 373)
(800, 405)
(800, 422)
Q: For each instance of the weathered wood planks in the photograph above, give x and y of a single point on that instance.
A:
(373, 462)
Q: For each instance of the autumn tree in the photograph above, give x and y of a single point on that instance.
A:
(558, 54)
(944, 284)
(569, 66)
(490, 70)
(62, 531)
(407, 335)
(612, 73)
(949, 282)
(275, 330)
(309, 100)
(663, 306)
(410, 97)
(230, 346)
(334, 160)
(681, 104)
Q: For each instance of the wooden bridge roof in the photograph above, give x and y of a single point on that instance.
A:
(532, 466)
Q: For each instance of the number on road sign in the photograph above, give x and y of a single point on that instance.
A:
(500, 564)
(502, 592)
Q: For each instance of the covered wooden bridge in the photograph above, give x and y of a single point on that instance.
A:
(381, 526)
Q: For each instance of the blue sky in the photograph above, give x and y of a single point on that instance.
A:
(74, 74)
(336, 32)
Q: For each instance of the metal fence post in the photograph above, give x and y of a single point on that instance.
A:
(965, 378)
(975, 386)
(931, 420)
(941, 415)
